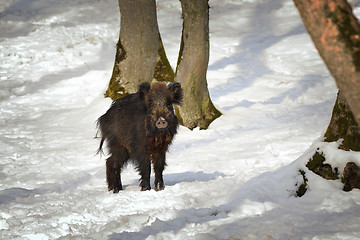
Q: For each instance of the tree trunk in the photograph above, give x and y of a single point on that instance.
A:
(197, 110)
(335, 32)
(137, 47)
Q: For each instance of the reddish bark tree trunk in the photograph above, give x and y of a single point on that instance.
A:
(335, 32)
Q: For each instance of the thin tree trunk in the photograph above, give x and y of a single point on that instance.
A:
(137, 47)
(197, 110)
(335, 32)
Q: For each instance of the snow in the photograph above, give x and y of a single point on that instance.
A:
(236, 180)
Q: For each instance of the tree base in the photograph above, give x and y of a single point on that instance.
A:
(351, 178)
(343, 126)
(316, 165)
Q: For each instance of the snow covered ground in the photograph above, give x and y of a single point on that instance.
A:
(236, 180)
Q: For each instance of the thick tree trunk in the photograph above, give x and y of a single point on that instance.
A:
(137, 47)
(335, 32)
(197, 110)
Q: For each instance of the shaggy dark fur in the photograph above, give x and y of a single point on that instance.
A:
(140, 127)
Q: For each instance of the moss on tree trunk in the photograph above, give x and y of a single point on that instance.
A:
(115, 89)
(163, 71)
(316, 164)
(343, 126)
(302, 188)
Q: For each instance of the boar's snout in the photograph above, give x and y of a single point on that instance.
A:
(161, 123)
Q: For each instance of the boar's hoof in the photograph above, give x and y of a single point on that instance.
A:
(145, 188)
(115, 189)
(159, 188)
(161, 123)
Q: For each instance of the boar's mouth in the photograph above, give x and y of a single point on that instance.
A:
(161, 123)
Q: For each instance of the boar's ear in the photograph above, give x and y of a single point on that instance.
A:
(144, 88)
(176, 91)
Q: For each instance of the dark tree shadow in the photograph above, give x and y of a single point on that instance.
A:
(306, 83)
(249, 53)
(12, 194)
(24, 16)
(47, 81)
(175, 178)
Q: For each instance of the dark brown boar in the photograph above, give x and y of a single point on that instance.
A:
(140, 127)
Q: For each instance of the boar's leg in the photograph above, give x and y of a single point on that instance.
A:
(145, 170)
(114, 165)
(113, 175)
(159, 165)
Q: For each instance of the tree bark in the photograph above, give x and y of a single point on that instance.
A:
(335, 32)
(137, 47)
(197, 109)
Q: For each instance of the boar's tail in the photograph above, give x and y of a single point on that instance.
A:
(100, 150)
